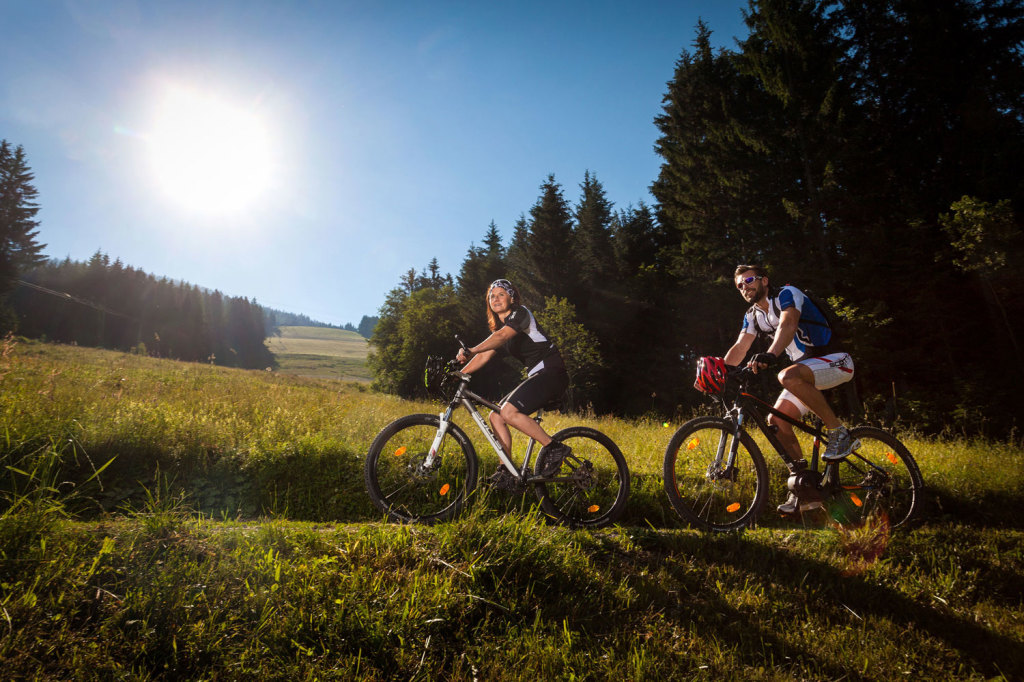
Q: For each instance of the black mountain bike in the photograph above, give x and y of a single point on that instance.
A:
(716, 478)
(423, 467)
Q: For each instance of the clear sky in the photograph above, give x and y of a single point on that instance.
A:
(308, 153)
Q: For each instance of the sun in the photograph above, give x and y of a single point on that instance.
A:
(208, 154)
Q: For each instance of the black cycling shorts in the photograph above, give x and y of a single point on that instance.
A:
(539, 390)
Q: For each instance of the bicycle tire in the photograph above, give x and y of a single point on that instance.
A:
(592, 488)
(878, 482)
(705, 498)
(397, 482)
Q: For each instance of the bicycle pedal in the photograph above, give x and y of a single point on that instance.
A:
(503, 480)
(811, 506)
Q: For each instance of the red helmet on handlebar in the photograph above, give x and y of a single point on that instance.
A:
(711, 374)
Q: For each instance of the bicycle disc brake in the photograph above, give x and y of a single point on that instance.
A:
(716, 473)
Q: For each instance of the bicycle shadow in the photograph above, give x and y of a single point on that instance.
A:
(772, 569)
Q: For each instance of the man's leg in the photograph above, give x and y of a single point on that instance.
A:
(802, 381)
(788, 439)
(783, 428)
(798, 379)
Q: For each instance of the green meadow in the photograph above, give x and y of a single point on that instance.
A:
(164, 520)
(320, 352)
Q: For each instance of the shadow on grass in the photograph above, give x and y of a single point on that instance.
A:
(839, 596)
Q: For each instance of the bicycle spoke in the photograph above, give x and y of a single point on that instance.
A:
(878, 484)
(706, 489)
(401, 484)
(593, 484)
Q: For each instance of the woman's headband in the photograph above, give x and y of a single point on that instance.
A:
(504, 284)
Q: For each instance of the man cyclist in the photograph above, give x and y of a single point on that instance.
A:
(513, 327)
(799, 329)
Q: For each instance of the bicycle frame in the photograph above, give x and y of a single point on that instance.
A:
(468, 399)
(747, 404)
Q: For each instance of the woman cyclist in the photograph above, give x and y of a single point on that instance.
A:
(514, 328)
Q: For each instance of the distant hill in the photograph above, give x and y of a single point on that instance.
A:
(321, 352)
(273, 318)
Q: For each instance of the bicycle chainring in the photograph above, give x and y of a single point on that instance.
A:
(806, 483)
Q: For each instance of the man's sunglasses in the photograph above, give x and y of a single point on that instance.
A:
(747, 281)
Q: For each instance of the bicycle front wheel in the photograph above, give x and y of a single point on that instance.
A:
(707, 490)
(592, 487)
(878, 483)
(408, 485)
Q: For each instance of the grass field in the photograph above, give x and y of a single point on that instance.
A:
(320, 352)
(166, 520)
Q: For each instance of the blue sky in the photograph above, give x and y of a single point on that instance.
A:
(364, 138)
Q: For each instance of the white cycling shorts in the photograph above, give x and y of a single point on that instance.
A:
(829, 371)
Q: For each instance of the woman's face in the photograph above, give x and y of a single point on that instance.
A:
(499, 300)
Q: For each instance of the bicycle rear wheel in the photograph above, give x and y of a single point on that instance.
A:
(703, 488)
(878, 483)
(592, 487)
(404, 486)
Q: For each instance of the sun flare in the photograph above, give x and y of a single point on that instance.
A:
(208, 154)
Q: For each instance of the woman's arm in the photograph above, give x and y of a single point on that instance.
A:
(481, 354)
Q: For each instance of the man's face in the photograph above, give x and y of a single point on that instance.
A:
(753, 290)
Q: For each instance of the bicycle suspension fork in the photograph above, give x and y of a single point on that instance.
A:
(735, 420)
(445, 420)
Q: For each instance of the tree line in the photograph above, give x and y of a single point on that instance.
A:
(111, 305)
(866, 151)
(274, 318)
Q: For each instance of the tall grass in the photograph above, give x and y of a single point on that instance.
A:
(248, 443)
(503, 597)
(162, 520)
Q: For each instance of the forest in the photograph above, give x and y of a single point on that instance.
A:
(112, 305)
(868, 152)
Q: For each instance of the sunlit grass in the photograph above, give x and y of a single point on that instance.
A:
(215, 546)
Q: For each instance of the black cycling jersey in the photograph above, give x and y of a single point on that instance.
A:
(531, 346)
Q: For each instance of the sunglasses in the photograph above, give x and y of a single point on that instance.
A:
(746, 281)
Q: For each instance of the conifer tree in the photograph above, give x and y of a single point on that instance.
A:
(796, 51)
(518, 254)
(549, 253)
(592, 245)
(19, 249)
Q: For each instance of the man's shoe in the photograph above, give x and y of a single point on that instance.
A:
(552, 455)
(794, 504)
(839, 445)
(790, 506)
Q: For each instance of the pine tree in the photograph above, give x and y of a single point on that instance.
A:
(549, 253)
(796, 52)
(592, 245)
(19, 249)
(518, 254)
(481, 266)
(711, 130)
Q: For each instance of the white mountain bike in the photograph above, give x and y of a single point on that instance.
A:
(423, 467)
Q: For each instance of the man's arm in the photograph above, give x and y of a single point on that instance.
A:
(735, 355)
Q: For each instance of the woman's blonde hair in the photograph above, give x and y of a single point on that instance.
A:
(492, 319)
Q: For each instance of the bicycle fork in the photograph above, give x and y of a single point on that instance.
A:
(445, 420)
(718, 472)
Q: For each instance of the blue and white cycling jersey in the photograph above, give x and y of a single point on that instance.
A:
(812, 334)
